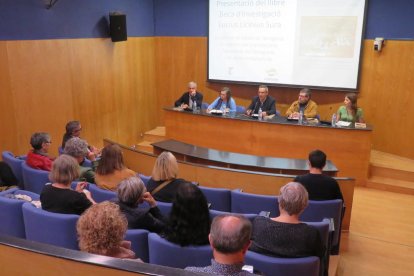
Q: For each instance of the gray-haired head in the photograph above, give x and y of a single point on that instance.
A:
(293, 198)
(230, 233)
(76, 147)
(130, 190)
(38, 138)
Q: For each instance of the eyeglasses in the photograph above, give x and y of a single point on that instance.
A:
(48, 142)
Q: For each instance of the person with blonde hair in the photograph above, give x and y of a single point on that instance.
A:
(101, 230)
(131, 193)
(164, 183)
(111, 169)
(58, 197)
(285, 236)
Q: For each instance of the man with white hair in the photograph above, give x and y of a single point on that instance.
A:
(230, 238)
(191, 97)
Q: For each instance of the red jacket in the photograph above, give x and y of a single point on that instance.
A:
(40, 162)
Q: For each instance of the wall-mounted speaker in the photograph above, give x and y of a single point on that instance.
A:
(117, 26)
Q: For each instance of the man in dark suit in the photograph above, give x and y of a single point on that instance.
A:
(263, 101)
(188, 98)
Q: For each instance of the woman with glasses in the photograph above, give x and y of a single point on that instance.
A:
(38, 157)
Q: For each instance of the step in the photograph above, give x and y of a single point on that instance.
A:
(145, 146)
(391, 161)
(155, 135)
(391, 185)
(391, 173)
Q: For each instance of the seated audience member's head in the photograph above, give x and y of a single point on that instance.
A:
(166, 167)
(130, 191)
(189, 218)
(230, 234)
(40, 142)
(293, 199)
(111, 160)
(73, 129)
(101, 229)
(76, 148)
(317, 159)
(65, 169)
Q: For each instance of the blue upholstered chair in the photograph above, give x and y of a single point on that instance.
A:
(100, 195)
(34, 180)
(268, 265)
(51, 228)
(11, 216)
(165, 208)
(15, 164)
(219, 198)
(246, 203)
(215, 213)
(163, 252)
(318, 210)
(240, 109)
(60, 150)
(324, 227)
(139, 242)
(144, 178)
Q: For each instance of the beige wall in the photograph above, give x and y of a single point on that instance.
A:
(117, 89)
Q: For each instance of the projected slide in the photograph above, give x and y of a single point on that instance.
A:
(294, 42)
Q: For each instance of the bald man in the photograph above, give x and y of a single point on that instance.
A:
(230, 238)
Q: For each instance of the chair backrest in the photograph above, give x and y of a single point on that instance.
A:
(165, 208)
(139, 243)
(268, 265)
(100, 195)
(204, 105)
(60, 150)
(324, 230)
(15, 164)
(318, 210)
(163, 252)
(246, 203)
(219, 198)
(240, 109)
(215, 213)
(51, 228)
(144, 179)
(34, 180)
(11, 215)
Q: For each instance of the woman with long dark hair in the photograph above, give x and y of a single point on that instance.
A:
(350, 112)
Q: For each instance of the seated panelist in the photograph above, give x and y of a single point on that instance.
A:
(262, 101)
(224, 102)
(189, 97)
(350, 112)
(304, 104)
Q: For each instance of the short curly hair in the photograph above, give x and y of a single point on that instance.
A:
(101, 228)
(76, 147)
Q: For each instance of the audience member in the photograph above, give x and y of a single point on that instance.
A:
(131, 193)
(189, 222)
(38, 157)
(188, 98)
(58, 197)
(319, 186)
(7, 177)
(262, 101)
(285, 235)
(111, 169)
(308, 107)
(230, 238)
(350, 112)
(78, 149)
(224, 101)
(73, 129)
(164, 182)
(101, 230)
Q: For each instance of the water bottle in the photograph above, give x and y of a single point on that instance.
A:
(194, 107)
(333, 122)
(300, 120)
(260, 114)
(223, 107)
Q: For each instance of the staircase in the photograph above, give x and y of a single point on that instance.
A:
(155, 135)
(391, 173)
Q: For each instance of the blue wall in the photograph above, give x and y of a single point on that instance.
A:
(29, 19)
